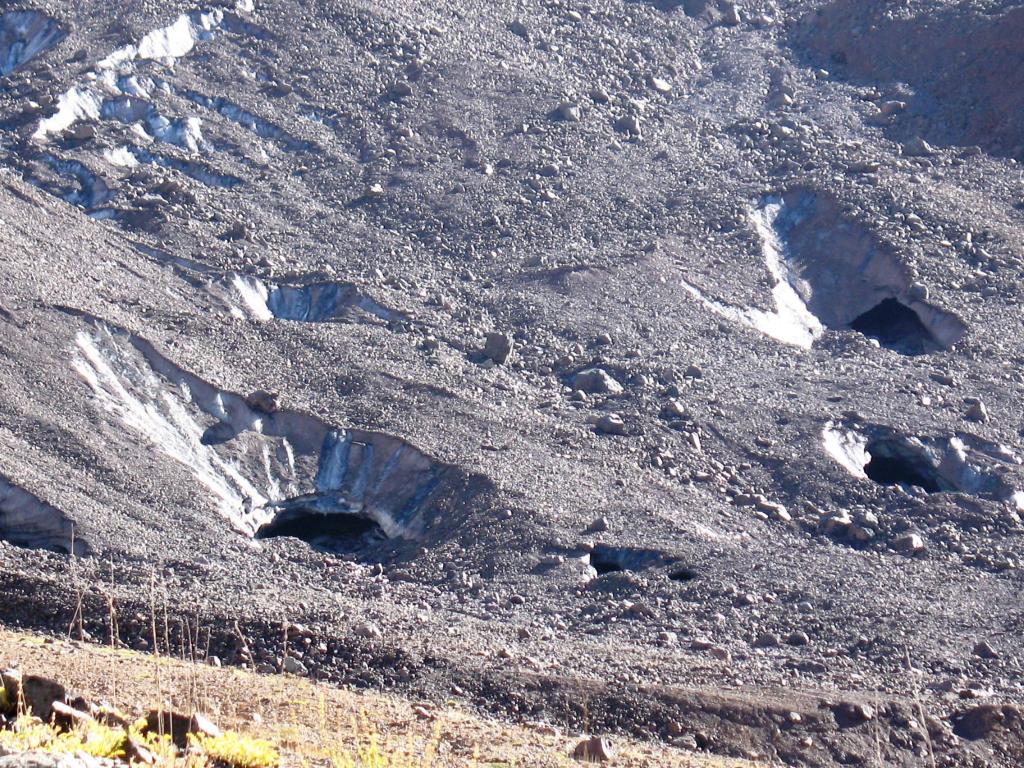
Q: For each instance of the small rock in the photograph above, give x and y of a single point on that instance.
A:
(985, 651)
(851, 713)
(498, 347)
(660, 85)
(39, 694)
(918, 292)
(568, 111)
(596, 749)
(908, 544)
(600, 525)
(977, 412)
(918, 147)
(261, 400)
(720, 653)
(611, 424)
(293, 666)
(178, 726)
(368, 630)
(730, 14)
(629, 124)
(978, 722)
(596, 381)
(518, 28)
(767, 640)
(798, 638)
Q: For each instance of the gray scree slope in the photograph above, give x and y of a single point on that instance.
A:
(297, 297)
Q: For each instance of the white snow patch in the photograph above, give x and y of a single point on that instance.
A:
(254, 295)
(114, 76)
(78, 103)
(848, 448)
(791, 322)
(122, 156)
(140, 400)
(23, 36)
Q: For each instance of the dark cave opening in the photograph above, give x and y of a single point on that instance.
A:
(682, 574)
(896, 326)
(334, 532)
(890, 465)
(605, 562)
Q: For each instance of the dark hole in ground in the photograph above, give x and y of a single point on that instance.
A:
(682, 574)
(333, 532)
(897, 327)
(605, 564)
(891, 466)
(608, 559)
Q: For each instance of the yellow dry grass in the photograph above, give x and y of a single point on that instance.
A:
(311, 724)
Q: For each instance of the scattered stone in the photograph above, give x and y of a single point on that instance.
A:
(985, 651)
(730, 14)
(39, 693)
(629, 124)
(261, 400)
(596, 381)
(498, 347)
(518, 28)
(178, 726)
(767, 640)
(68, 717)
(720, 653)
(909, 544)
(849, 713)
(368, 630)
(918, 292)
(980, 721)
(977, 412)
(569, 111)
(659, 84)
(611, 424)
(798, 638)
(596, 749)
(918, 147)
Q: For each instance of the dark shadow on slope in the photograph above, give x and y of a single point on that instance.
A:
(25, 34)
(28, 521)
(850, 279)
(966, 68)
(896, 326)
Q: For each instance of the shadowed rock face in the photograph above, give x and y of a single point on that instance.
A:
(319, 302)
(965, 67)
(27, 521)
(962, 463)
(24, 35)
(280, 473)
(830, 271)
(848, 279)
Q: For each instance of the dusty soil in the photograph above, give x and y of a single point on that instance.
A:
(310, 722)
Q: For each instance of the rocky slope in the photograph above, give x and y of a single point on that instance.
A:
(647, 364)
